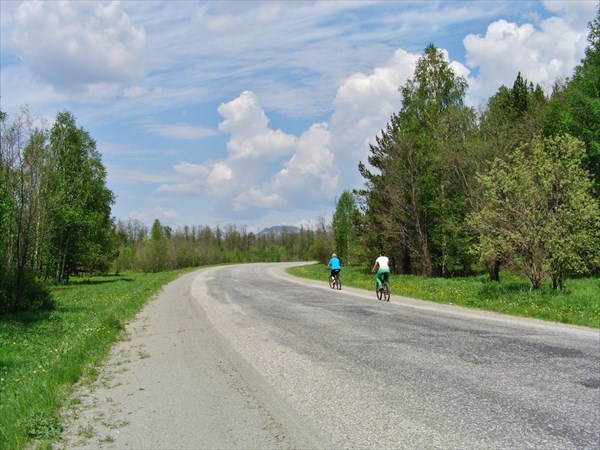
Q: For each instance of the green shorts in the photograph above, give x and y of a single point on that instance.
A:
(383, 275)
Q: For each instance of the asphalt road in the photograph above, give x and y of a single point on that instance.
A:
(248, 357)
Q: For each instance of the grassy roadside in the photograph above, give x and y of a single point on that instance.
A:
(578, 305)
(42, 355)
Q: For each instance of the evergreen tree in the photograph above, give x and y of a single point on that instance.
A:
(416, 199)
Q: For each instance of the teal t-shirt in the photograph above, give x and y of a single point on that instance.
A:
(334, 263)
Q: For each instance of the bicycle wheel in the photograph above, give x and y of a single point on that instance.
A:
(378, 291)
(386, 291)
(339, 283)
(332, 282)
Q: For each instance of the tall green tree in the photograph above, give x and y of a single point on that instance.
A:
(538, 212)
(416, 195)
(344, 226)
(80, 202)
(575, 104)
(512, 117)
(155, 258)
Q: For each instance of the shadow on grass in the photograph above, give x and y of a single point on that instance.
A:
(89, 281)
(25, 317)
(34, 311)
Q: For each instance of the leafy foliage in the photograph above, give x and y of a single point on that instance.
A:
(444, 187)
(575, 105)
(54, 208)
(417, 198)
(538, 212)
(81, 204)
(345, 219)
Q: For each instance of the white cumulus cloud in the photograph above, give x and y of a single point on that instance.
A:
(543, 54)
(248, 127)
(363, 105)
(265, 168)
(79, 46)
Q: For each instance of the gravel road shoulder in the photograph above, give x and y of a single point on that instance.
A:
(174, 382)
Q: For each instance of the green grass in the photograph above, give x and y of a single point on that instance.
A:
(579, 304)
(43, 354)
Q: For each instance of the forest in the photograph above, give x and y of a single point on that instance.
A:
(514, 186)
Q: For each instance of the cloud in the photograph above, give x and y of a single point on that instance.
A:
(248, 127)
(577, 12)
(542, 54)
(20, 84)
(183, 188)
(219, 173)
(179, 131)
(310, 171)
(185, 168)
(265, 168)
(363, 105)
(256, 198)
(79, 46)
(140, 91)
(164, 213)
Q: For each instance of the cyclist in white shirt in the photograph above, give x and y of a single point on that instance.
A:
(382, 264)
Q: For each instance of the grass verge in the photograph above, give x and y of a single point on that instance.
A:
(579, 304)
(43, 354)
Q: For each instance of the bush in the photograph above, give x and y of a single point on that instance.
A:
(34, 295)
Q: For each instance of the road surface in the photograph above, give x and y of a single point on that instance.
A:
(248, 357)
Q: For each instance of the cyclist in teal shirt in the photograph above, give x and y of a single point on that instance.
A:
(335, 265)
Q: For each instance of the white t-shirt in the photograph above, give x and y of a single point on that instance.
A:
(384, 262)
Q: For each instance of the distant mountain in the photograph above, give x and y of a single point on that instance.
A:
(279, 230)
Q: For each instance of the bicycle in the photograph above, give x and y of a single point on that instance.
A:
(383, 293)
(335, 282)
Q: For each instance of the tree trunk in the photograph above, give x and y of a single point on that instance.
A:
(493, 268)
(405, 261)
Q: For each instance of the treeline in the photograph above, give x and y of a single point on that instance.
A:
(162, 248)
(515, 185)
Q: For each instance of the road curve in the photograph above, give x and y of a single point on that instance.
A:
(249, 357)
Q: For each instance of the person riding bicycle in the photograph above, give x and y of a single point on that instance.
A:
(382, 264)
(335, 265)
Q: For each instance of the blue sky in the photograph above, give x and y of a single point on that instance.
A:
(258, 113)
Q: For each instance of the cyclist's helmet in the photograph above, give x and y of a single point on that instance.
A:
(334, 256)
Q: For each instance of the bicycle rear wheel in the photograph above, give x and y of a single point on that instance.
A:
(332, 282)
(386, 291)
(378, 291)
(339, 283)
